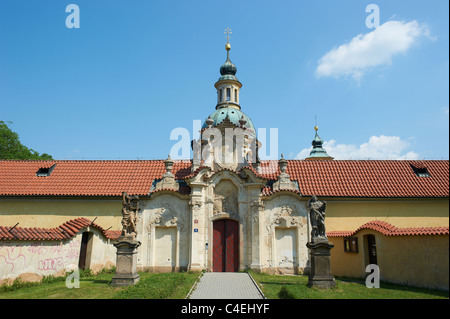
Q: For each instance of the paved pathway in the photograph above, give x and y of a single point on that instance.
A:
(226, 285)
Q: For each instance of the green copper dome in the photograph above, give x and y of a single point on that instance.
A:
(318, 151)
(228, 71)
(228, 68)
(234, 115)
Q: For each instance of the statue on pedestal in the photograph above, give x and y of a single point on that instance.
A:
(126, 244)
(130, 209)
(317, 217)
(319, 247)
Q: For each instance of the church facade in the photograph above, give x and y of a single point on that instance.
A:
(226, 210)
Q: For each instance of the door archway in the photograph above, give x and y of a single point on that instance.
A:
(84, 261)
(225, 245)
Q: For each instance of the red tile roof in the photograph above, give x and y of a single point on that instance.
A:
(63, 232)
(85, 178)
(390, 230)
(362, 178)
(366, 178)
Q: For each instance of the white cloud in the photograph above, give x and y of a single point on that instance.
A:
(378, 147)
(366, 51)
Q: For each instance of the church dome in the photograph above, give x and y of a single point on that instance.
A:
(228, 68)
(228, 71)
(234, 115)
(318, 152)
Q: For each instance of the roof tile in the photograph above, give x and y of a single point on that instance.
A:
(390, 230)
(336, 178)
(61, 232)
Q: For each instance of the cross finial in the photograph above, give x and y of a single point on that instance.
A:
(228, 32)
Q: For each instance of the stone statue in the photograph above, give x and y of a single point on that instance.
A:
(317, 217)
(126, 244)
(218, 205)
(130, 209)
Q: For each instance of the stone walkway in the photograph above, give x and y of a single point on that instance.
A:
(226, 285)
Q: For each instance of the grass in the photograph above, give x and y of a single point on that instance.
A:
(294, 287)
(178, 285)
(150, 286)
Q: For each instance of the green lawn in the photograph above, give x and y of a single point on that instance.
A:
(178, 285)
(150, 286)
(294, 287)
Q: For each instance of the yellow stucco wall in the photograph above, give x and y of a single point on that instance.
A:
(351, 214)
(341, 214)
(421, 261)
(51, 213)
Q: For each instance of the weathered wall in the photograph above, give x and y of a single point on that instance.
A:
(350, 214)
(421, 261)
(51, 213)
(46, 258)
(163, 230)
(284, 235)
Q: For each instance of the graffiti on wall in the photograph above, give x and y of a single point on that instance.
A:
(37, 256)
(11, 256)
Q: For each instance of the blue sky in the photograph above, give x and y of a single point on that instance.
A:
(117, 86)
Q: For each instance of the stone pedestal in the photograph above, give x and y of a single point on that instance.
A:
(126, 264)
(320, 272)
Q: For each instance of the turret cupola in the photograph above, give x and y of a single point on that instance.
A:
(318, 152)
(228, 85)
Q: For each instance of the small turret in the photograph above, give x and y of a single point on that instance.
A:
(318, 152)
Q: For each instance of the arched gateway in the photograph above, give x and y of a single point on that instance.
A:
(225, 245)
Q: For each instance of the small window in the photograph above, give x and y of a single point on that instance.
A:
(220, 95)
(228, 94)
(45, 171)
(420, 170)
(235, 95)
(351, 245)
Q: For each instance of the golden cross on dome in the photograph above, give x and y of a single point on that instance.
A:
(228, 32)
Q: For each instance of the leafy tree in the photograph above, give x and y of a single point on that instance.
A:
(11, 148)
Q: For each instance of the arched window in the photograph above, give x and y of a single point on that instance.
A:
(235, 95)
(228, 94)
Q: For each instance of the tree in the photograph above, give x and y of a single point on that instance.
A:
(11, 148)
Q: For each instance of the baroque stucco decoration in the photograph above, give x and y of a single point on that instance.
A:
(284, 180)
(258, 206)
(225, 200)
(168, 179)
(283, 218)
(165, 216)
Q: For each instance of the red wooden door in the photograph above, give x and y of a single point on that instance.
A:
(225, 245)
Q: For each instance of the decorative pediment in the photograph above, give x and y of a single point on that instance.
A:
(284, 180)
(245, 175)
(165, 216)
(284, 218)
(168, 179)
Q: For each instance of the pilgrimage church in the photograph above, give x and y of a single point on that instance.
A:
(228, 211)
